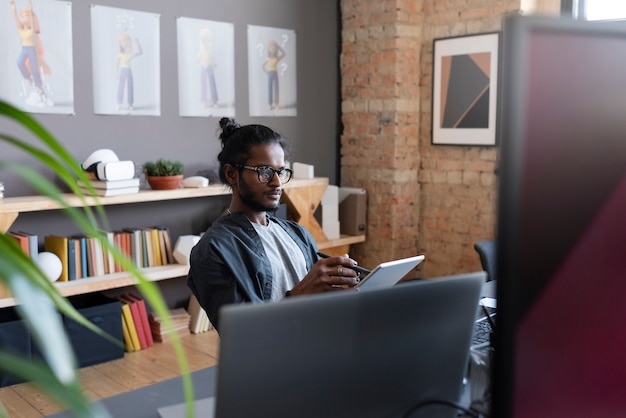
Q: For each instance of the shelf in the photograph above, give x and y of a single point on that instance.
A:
(11, 207)
(110, 281)
(341, 241)
(302, 197)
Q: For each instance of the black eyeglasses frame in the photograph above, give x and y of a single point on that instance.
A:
(259, 173)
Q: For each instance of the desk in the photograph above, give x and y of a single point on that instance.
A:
(144, 402)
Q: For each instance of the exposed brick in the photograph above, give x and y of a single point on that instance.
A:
(436, 200)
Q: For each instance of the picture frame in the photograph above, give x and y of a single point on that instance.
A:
(465, 89)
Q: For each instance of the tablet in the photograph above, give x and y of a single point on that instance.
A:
(389, 273)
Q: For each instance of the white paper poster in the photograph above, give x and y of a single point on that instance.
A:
(36, 55)
(126, 61)
(206, 67)
(272, 71)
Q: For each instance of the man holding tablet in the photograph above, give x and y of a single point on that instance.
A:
(247, 255)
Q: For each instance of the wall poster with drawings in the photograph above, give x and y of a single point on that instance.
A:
(36, 56)
(272, 71)
(126, 61)
(206, 67)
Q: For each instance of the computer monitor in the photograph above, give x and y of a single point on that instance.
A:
(562, 221)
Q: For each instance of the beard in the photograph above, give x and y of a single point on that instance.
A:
(248, 198)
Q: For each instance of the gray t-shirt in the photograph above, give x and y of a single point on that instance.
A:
(288, 263)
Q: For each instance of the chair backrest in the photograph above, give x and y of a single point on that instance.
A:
(487, 252)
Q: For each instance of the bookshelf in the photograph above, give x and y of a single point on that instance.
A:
(302, 197)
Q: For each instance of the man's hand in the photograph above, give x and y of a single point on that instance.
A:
(328, 274)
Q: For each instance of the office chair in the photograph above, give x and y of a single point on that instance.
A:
(487, 252)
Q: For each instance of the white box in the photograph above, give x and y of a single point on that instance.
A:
(327, 214)
(303, 171)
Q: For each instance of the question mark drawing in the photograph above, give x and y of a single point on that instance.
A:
(283, 68)
(285, 39)
(259, 46)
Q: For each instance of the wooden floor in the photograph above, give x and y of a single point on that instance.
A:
(134, 371)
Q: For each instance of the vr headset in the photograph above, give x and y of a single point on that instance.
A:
(104, 165)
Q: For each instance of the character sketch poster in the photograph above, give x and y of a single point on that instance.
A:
(126, 61)
(206, 67)
(36, 55)
(272, 71)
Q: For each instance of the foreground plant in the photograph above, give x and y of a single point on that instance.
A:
(39, 300)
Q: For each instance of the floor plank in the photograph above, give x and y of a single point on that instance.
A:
(133, 371)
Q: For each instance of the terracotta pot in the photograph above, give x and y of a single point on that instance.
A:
(164, 182)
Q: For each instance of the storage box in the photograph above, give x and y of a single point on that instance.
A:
(103, 312)
(14, 338)
(352, 210)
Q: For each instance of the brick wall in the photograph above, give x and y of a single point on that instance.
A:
(435, 200)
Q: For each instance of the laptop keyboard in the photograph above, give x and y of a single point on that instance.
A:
(482, 332)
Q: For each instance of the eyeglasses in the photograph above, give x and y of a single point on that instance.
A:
(266, 173)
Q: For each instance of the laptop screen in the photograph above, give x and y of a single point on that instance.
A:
(363, 354)
(561, 222)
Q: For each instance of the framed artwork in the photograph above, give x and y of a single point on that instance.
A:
(465, 90)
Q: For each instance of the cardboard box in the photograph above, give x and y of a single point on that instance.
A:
(352, 210)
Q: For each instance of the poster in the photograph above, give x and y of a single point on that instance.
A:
(206, 67)
(36, 55)
(272, 71)
(126, 62)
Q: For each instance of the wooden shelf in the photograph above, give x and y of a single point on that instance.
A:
(110, 281)
(11, 207)
(343, 240)
(302, 197)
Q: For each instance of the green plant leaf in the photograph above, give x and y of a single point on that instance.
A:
(21, 275)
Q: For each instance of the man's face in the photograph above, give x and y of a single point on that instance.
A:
(259, 196)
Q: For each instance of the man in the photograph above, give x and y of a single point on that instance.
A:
(248, 255)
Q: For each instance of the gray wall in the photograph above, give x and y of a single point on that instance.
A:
(314, 132)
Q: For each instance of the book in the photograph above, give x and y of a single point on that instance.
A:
(136, 250)
(114, 184)
(110, 265)
(144, 318)
(137, 321)
(84, 262)
(79, 257)
(98, 258)
(149, 251)
(180, 324)
(156, 247)
(128, 343)
(22, 240)
(112, 192)
(198, 319)
(166, 244)
(130, 324)
(57, 244)
(33, 244)
(71, 259)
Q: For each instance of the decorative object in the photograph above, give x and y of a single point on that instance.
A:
(164, 174)
(465, 90)
(50, 264)
(183, 247)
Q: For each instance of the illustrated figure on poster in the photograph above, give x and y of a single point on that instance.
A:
(207, 62)
(270, 66)
(123, 70)
(30, 60)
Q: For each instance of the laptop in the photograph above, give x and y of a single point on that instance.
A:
(364, 354)
(389, 273)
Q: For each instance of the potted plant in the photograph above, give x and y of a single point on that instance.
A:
(163, 174)
(39, 298)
